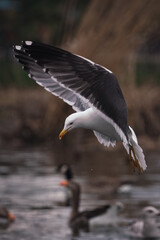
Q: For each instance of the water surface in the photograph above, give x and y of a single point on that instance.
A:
(30, 189)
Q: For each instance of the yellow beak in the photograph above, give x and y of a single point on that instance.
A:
(62, 133)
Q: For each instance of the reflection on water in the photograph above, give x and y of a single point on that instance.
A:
(30, 189)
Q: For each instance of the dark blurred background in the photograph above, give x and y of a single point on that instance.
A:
(122, 35)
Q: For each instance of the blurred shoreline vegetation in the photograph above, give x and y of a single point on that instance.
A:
(122, 35)
(52, 22)
(130, 47)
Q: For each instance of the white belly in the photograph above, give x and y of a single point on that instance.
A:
(97, 123)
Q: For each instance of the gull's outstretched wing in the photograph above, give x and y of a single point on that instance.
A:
(77, 80)
(49, 83)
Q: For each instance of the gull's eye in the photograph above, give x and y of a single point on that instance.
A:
(71, 123)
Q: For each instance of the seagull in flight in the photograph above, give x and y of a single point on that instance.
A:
(92, 90)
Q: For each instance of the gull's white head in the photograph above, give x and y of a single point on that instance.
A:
(71, 122)
(150, 212)
(119, 206)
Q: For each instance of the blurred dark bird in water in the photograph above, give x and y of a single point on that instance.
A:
(66, 170)
(92, 90)
(80, 220)
(67, 173)
(6, 218)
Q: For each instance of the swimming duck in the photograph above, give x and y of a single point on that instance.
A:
(80, 220)
(6, 218)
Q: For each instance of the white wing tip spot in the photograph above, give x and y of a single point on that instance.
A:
(44, 69)
(17, 47)
(28, 43)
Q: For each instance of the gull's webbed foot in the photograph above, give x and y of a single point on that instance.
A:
(134, 161)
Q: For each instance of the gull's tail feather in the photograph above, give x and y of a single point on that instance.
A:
(137, 152)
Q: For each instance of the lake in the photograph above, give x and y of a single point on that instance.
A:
(30, 189)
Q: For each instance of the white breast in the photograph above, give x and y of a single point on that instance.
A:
(91, 120)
